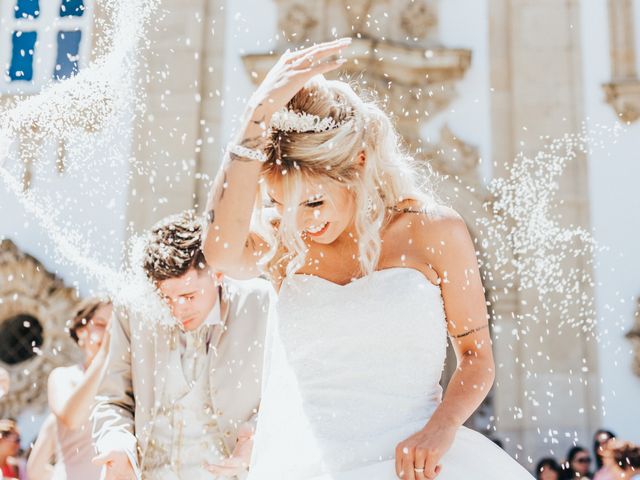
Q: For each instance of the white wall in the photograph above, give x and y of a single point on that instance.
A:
(614, 181)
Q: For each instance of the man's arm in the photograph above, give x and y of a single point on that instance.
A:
(113, 414)
(39, 464)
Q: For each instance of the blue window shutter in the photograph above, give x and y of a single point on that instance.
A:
(27, 9)
(23, 45)
(72, 8)
(67, 57)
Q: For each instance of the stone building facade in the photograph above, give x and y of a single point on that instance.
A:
(533, 61)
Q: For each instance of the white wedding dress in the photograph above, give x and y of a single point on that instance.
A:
(350, 372)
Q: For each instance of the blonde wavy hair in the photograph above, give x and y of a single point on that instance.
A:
(389, 174)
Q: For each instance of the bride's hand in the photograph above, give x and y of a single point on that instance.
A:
(418, 457)
(292, 71)
(237, 463)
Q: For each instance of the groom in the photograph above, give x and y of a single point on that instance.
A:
(178, 399)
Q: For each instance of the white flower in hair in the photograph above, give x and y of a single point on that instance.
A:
(290, 121)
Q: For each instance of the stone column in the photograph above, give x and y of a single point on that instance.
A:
(536, 77)
(172, 143)
(209, 145)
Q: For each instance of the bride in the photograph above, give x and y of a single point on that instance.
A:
(372, 275)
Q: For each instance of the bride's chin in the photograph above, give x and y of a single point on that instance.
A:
(326, 239)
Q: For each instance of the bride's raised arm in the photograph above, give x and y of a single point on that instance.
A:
(229, 244)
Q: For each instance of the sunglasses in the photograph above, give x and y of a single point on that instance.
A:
(583, 460)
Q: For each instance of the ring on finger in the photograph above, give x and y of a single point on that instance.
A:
(418, 470)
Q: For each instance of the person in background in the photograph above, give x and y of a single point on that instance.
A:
(548, 469)
(72, 390)
(577, 464)
(39, 463)
(9, 449)
(625, 460)
(600, 440)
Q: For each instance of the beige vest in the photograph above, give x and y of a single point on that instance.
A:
(186, 431)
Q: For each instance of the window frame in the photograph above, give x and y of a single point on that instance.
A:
(47, 25)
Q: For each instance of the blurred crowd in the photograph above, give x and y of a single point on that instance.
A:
(609, 459)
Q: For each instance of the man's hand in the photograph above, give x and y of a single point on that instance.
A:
(116, 464)
(237, 463)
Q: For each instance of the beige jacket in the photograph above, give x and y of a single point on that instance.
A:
(132, 387)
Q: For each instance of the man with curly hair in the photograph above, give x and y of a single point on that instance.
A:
(178, 400)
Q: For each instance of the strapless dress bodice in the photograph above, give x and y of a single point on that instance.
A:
(351, 369)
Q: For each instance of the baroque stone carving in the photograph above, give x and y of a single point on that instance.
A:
(624, 97)
(35, 301)
(357, 12)
(418, 18)
(623, 91)
(454, 157)
(297, 21)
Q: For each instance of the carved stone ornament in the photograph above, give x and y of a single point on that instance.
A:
(453, 156)
(34, 308)
(357, 13)
(297, 22)
(624, 97)
(634, 337)
(418, 19)
(623, 91)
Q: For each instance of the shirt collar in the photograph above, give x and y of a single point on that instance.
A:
(214, 316)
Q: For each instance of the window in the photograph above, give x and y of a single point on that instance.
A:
(42, 41)
(72, 8)
(21, 66)
(27, 9)
(19, 337)
(67, 58)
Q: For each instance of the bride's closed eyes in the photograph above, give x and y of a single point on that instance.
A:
(313, 202)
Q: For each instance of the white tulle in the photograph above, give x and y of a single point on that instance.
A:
(350, 372)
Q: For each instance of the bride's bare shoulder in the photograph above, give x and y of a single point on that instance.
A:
(429, 233)
(427, 221)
